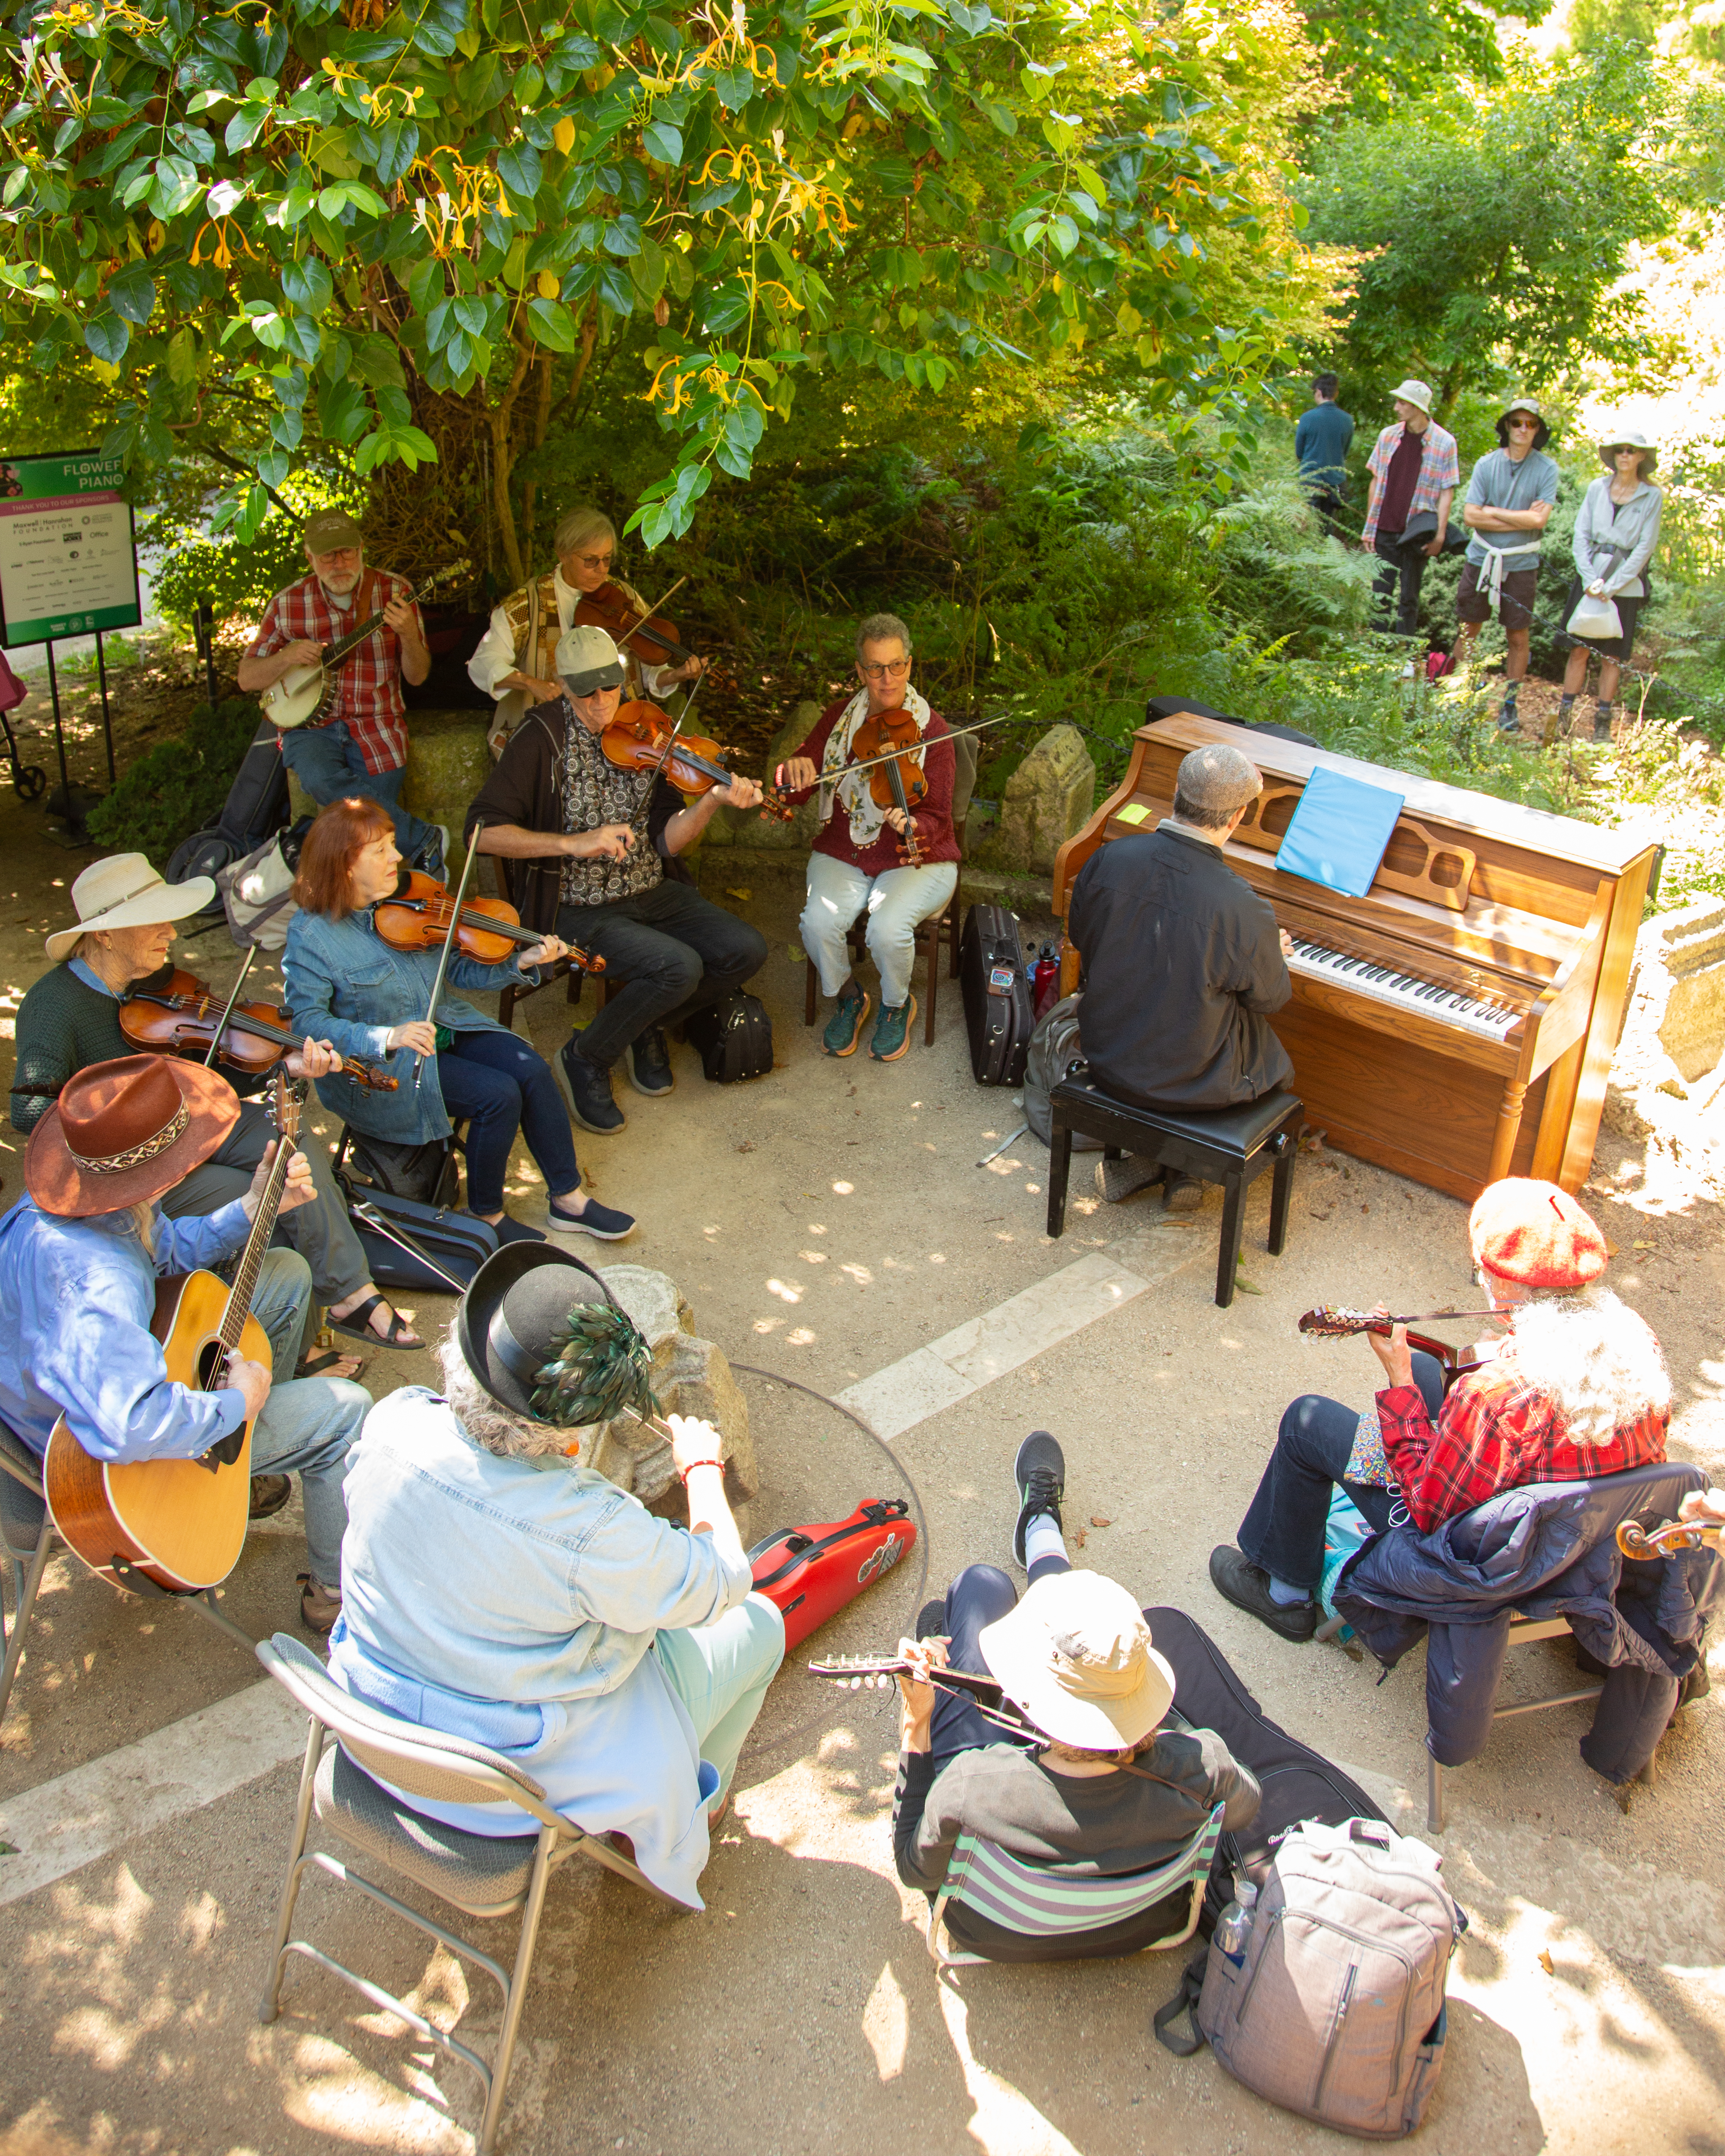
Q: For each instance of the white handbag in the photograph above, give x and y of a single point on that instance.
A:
(1595, 617)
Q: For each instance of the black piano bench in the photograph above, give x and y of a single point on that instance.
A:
(1229, 1146)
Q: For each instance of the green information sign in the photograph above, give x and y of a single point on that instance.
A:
(68, 560)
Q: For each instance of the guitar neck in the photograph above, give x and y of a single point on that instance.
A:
(238, 1305)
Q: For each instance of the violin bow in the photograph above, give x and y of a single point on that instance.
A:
(442, 963)
(951, 734)
(670, 743)
(246, 966)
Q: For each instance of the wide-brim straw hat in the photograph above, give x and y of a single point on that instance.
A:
(1413, 392)
(1075, 1656)
(124, 891)
(125, 1132)
(1629, 438)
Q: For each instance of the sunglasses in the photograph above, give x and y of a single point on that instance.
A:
(1519, 426)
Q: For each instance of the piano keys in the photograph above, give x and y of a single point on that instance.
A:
(1457, 1022)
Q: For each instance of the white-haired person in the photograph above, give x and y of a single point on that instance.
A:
(496, 1588)
(516, 661)
(1575, 1387)
(1616, 532)
(1109, 1780)
(855, 865)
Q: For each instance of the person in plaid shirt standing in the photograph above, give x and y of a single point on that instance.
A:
(361, 748)
(1413, 471)
(1577, 1389)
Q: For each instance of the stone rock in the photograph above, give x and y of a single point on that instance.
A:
(1677, 989)
(748, 827)
(447, 762)
(690, 1377)
(1047, 799)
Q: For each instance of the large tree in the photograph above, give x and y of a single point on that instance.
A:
(399, 234)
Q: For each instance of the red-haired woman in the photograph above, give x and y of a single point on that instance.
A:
(370, 1001)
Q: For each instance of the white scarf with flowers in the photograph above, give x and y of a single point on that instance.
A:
(867, 817)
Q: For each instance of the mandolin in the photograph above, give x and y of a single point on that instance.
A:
(305, 696)
(181, 1522)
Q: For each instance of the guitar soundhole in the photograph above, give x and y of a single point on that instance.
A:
(211, 1361)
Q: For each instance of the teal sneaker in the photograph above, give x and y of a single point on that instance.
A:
(892, 1031)
(844, 1027)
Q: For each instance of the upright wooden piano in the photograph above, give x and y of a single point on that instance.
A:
(1458, 1022)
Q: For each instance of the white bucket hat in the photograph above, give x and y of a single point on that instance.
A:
(1629, 438)
(1075, 1656)
(124, 891)
(1413, 392)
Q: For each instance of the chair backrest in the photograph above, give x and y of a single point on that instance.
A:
(1038, 1901)
(1597, 1507)
(965, 763)
(418, 1761)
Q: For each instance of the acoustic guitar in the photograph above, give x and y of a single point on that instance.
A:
(305, 694)
(181, 1522)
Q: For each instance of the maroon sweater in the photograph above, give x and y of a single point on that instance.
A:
(933, 815)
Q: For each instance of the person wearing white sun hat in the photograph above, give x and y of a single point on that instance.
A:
(1615, 534)
(1413, 471)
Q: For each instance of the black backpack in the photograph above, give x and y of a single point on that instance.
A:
(733, 1038)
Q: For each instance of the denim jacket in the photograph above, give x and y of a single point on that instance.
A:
(346, 985)
(516, 1601)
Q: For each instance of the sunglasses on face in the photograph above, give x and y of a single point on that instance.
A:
(1524, 426)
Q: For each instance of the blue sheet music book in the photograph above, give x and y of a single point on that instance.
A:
(1338, 832)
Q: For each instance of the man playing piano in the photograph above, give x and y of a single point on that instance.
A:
(1183, 964)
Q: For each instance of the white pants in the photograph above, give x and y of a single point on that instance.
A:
(897, 901)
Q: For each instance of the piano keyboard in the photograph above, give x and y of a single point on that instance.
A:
(1365, 976)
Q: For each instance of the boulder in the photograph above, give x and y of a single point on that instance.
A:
(1047, 799)
(1677, 990)
(690, 1377)
(748, 827)
(447, 762)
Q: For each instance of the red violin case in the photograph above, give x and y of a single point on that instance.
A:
(813, 1572)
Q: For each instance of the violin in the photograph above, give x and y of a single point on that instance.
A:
(652, 637)
(892, 741)
(490, 929)
(636, 740)
(179, 1017)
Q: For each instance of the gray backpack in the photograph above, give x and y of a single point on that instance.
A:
(1336, 2008)
(1053, 1050)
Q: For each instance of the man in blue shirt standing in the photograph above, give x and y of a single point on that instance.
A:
(80, 1259)
(1322, 441)
(1510, 498)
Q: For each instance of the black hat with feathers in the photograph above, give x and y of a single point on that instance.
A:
(545, 1336)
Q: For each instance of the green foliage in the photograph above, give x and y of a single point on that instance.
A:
(233, 576)
(180, 785)
(272, 229)
(1382, 55)
(1494, 227)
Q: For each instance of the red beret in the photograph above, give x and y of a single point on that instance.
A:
(1529, 1231)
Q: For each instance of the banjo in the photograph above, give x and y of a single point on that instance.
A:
(305, 696)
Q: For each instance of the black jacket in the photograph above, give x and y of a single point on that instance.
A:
(1182, 964)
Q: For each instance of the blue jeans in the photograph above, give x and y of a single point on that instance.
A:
(981, 1594)
(327, 763)
(1283, 1529)
(308, 1422)
(676, 951)
(721, 1672)
(501, 1086)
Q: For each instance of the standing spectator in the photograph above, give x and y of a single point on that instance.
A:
(1322, 441)
(1414, 473)
(1614, 537)
(1510, 498)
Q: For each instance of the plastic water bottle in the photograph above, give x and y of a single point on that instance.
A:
(1235, 1926)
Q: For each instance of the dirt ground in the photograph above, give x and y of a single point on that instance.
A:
(825, 1223)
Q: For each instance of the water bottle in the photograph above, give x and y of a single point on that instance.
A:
(1235, 1926)
(1046, 981)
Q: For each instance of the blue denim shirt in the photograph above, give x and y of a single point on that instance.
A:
(76, 1298)
(514, 1602)
(347, 986)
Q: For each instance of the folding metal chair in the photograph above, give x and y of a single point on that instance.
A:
(481, 1876)
(28, 1535)
(1038, 1901)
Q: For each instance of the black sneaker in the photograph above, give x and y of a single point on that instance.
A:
(588, 1090)
(931, 1620)
(649, 1064)
(1247, 1585)
(603, 1221)
(1040, 1474)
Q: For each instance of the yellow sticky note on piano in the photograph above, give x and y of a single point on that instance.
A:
(1134, 812)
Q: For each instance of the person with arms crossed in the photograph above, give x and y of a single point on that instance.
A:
(1511, 494)
(595, 849)
(80, 1260)
(855, 863)
(362, 746)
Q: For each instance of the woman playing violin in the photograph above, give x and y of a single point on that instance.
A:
(348, 985)
(860, 859)
(517, 659)
(594, 846)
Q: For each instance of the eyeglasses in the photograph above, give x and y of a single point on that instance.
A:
(1520, 424)
(894, 669)
(595, 561)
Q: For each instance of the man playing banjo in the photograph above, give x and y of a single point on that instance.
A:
(360, 745)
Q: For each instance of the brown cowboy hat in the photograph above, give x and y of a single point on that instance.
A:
(124, 1132)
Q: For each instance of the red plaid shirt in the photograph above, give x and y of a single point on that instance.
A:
(368, 698)
(1495, 1431)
